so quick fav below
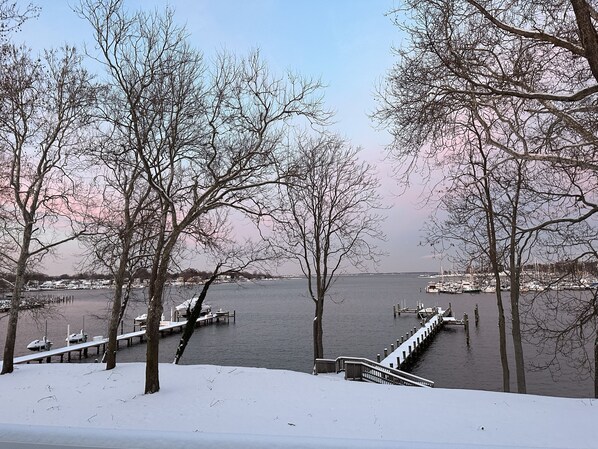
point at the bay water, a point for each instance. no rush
(273, 329)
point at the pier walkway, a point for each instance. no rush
(99, 343)
(413, 342)
(410, 345)
(389, 370)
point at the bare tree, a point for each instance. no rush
(540, 52)
(470, 212)
(326, 218)
(207, 138)
(526, 70)
(12, 17)
(44, 110)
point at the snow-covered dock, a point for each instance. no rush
(416, 340)
(413, 342)
(99, 343)
(389, 369)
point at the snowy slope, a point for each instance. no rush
(257, 404)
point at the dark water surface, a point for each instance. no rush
(274, 325)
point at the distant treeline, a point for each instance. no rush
(142, 274)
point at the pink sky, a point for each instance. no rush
(349, 47)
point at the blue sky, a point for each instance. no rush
(347, 44)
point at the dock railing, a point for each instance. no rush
(357, 368)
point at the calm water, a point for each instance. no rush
(273, 330)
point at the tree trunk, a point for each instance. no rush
(116, 314)
(164, 247)
(516, 331)
(318, 330)
(15, 303)
(502, 337)
(192, 318)
(493, 256)
(514, 279)
(587, 34)
(154, 316)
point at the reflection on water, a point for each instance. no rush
(273, 329)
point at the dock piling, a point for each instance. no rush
(476, 315)
(466, 321)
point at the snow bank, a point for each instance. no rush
(259, 405)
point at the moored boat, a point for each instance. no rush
(141, 320)
(470, 287)
(78, 337)
(433, 287)
(40, 345)
(452, 288)
(186, 306)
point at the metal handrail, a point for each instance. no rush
(382, 373)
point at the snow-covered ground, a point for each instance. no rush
(256, 405)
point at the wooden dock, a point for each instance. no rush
(389, 370)
(414, 342)
(99, 343)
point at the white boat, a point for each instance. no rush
(40, 345)
(433, 287)
(426, 312)
(186, 306)
(142, 319)
(220, 312)
(451, 288)
(470, 287)
(79, 337)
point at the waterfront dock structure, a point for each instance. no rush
(35, 302)
(416, 340)
(99, 343)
